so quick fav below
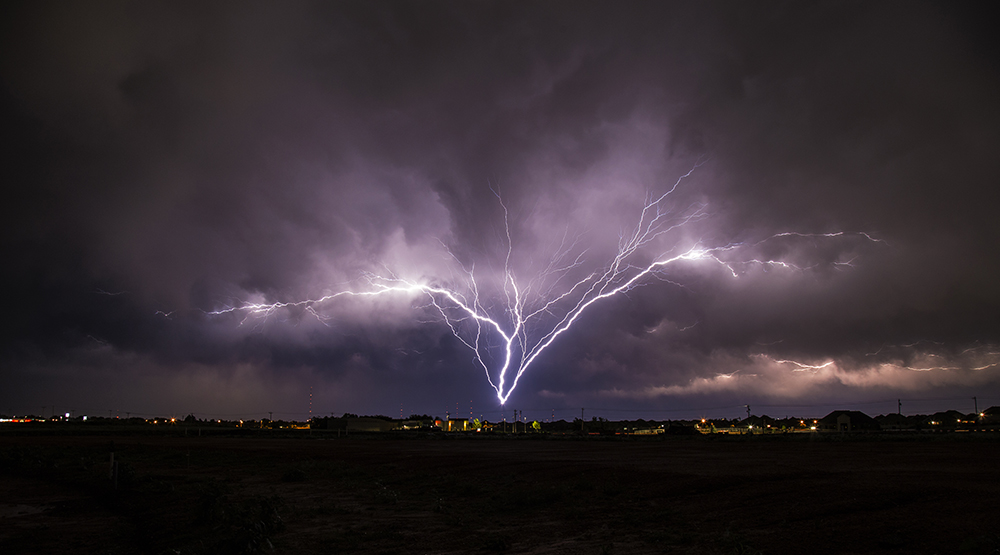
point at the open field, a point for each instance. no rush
(442, 493)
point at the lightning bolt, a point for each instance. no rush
(803, 367)
(508, 332)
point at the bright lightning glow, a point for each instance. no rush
(508, 334)
(802, 367)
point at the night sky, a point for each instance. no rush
(162, 161)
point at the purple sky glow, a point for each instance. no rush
(170, 165)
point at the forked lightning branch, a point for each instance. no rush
(510, 328)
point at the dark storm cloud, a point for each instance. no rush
(189, 158)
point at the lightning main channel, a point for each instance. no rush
(533, 313)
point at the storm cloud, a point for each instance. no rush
(166, 160)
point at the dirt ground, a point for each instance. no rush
(471, 494)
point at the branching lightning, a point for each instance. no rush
(803, 367)
(508, 331)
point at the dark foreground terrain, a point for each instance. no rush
(455, 494)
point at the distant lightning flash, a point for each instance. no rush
(803, 367)
(531, 314)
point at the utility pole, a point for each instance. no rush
(748, 412)
(269, 415)
(976, 401)
(899, 407)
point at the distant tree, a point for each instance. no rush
(190, 419)
(324, 423)
(349, 415)
(420, 417)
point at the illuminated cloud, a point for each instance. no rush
(171, 161)
(765, 377)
